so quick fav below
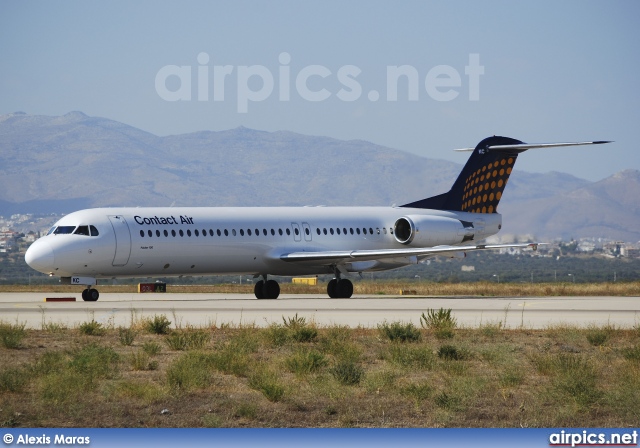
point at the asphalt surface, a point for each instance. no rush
(120, 309)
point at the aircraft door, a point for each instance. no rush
(123, 240)
(306, 230)
(296, 231)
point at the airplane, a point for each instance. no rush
(159, 242)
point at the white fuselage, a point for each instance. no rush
(165, 242)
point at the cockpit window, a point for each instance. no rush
(64, 229)
(94, 231)
(51, 230)
(82, 230)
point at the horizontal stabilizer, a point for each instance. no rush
(524, 146)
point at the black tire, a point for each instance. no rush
(85, 295)
(92, 295)
(272, 289)
(344, 288)
(332, 288)
(258, 290)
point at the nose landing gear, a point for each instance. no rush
(90, 295)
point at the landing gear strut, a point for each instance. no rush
(90, 295)
(266, 289)
(339, 288)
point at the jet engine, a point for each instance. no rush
(426, 231)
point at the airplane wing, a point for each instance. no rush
(338, 257)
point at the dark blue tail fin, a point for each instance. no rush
(479, 186)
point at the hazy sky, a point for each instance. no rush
(541, 71)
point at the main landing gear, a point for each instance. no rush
(90, 295)
(266, 289)
(340, 288)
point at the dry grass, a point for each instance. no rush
(389, 287)
(267, 377)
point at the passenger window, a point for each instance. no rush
(94, 231)
(166, 233)
(306, 230)
(358, 230)
(391, 230)
(196, 232)
(150, 234)
(233, 232)
(351, 230)
(210, 232)
(273, 232)
(324, 230)
(288, 231)
(331, 230)
(344, 230)
(364, 231)
(378, 230)
(264, 232)
(173, 233)
(181, 232)
(241, 232)
(296, 231)
(188, 232)
(157, 233)
(142, 233)
(318, 231)
(280, 232)
(370, 231)
(338, 230)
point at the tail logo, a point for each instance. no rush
(483, 188)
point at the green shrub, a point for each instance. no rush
(267, 383)
(231, 361)
(306, 361)
(188, 339)
(450, 353)
(13, 380)
(277, 335)
(141, 361)
(159, 324)
(397, 331)
(438, 320)
(126, 336)
(598, 336)
(294, 322)
(151, 348)
(95, 361)
(410, 357)
(348, 373)
(632, 354)
(12, 334)
(49, 362)
(190, 371)
(304, 334)
(92, 328)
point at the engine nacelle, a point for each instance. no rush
(426, 231)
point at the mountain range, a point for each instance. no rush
(57, 164)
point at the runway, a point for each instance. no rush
(120, 309)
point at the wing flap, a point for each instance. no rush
(338, 257)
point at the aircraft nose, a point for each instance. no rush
(40, 257)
